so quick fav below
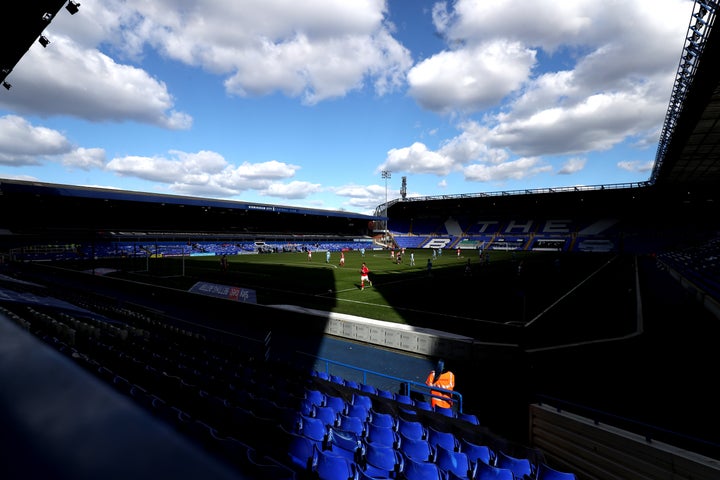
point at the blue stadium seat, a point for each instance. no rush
(381, 434)
(268, 468)
(326, 465)
(403, 399)
(343, 443)
(358, 410)
(306, 406)
(381, 419)
(519, 466)
(360, 399)
(380, 460)
(313, 428)
(315, 396)
(335, 402)
(328, 415)
(363, 475)
(476, 452)
(416, 470)
(445, 411)
(417, 449)
(364, 387)
(352, 384)
(321, 374)
(446, 439)
(351, 424)
(468, 417)
(299, 450)
(411, 428)
(545, 472)
(483, 471)
(422, 405)
(456, 462)
(385, 394)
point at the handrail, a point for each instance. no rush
(409, 385)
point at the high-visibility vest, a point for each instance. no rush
(446, 380)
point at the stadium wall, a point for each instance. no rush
(594, 450)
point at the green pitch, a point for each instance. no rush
(458, 293)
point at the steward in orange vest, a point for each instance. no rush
(441, 378)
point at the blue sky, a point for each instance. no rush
(305, 103)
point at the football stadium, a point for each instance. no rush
(164, 336)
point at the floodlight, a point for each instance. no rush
(72, 7)
(7, 85)
(43, 40)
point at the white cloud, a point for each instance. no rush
(515, 170)
(636, 166)
(291, 190)
(205, 172)
(22, 143)
(572, 165)
(84, 158)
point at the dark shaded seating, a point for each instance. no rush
(417, 449)
(380, 460)
(452, 461)
(545, 472)
(483, 471)
(417, 470)
(520, 467)
(329, 466)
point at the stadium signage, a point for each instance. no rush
(228, 292)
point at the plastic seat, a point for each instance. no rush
(337, 379)
(411, 428)
(315, 396)
(363, 475)
(446, 439)
(483, 471)
(306, 407)
(326, 465)
(311, 427)
(416, 470)
(321, 374)
(328, 415)
(364, 387)
(519, 466)
(382, 435)
(299, 450)
(268, 468)
(351, 424)
(403, 399)
(385, 394)
(445, 411)
(422, 405)
(545, 472)
(417, 449)
(336, 403)
(343, 443)
(358, 410)
(468, 417)
(476, 452)
(380, 460)
(363, 400)
(456, 462)
(381, 419)
(352, 384)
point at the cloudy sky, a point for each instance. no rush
(307, 103)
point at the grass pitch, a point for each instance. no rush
(458, 293)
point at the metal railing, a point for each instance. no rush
(390, 383)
